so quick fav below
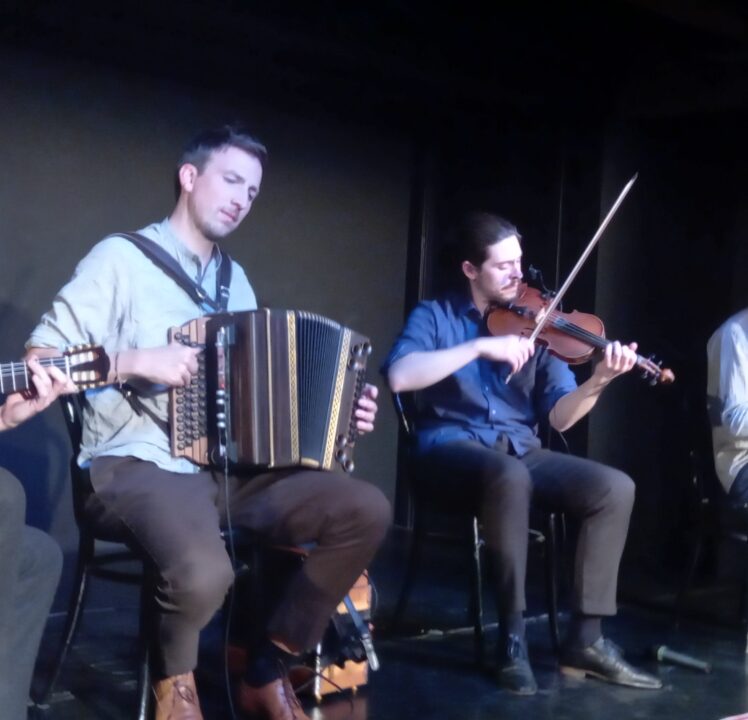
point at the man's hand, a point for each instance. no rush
(49, 383)
(366, 409)
(512, 349)
(617, 360)
(173, 364)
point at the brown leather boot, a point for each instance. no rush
(274, 701)
(176, 698)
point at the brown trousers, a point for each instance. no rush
(176, 518)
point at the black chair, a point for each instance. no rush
(716, 519)
(549, 540)
(102, 556)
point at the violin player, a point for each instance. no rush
(480, 401)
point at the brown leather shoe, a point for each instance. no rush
(274, 701)
(176, 698)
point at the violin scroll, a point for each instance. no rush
(653, 371)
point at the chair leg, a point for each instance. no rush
(744, 608)
(551, 580)
(73, 617)
(414, 551)
(680, 600)
(146, 633)
(476, 600)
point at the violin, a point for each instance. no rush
(574, 337)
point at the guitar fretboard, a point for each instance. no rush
(16, 376)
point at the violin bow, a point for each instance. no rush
(582, 259)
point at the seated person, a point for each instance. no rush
(120, 299)
(30, 561)
(481, 401)
(727, 404)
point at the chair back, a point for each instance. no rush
(405, 409)
(72, 410)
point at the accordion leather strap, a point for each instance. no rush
(159, 257)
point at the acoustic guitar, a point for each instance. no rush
(86, 365)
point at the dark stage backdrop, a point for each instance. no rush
(89, 150)
(671, 269)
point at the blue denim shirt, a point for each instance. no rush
(476, 402)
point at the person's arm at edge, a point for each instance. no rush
(49, 383)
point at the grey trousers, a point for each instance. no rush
(176, 519)
(498, 487)
(30, 566)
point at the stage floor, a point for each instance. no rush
(424, 675)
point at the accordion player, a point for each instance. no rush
(275, 388)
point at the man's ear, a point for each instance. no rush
(469, 270)
(187, 175)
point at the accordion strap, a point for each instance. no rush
(156, 254)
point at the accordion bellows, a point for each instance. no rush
(275, 388)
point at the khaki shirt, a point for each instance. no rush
(727, 396)
(119, 299)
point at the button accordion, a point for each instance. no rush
(275, 388)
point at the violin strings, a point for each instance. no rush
(581, 334)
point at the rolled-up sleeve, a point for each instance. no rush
(553, 380)
(89, 308)
(418, 335)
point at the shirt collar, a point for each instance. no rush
(464, 306)
(184, 254)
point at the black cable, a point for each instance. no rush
(232, 554)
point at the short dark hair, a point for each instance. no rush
(204, 144)
(476, 232)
